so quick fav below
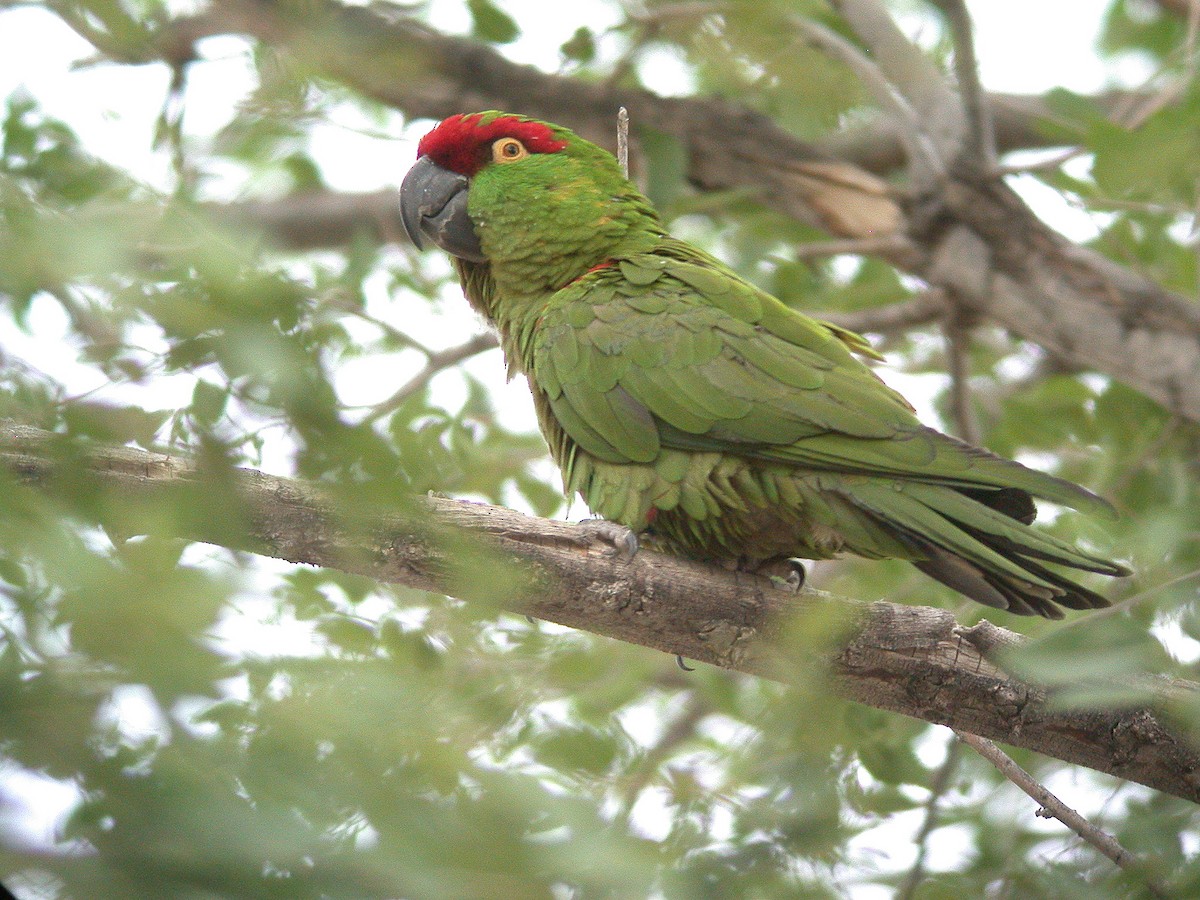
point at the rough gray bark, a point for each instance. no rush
(912, 660)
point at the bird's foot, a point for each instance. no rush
(791, 583)
(786, 574)
(622, 542)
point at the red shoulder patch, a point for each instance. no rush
(463, 143)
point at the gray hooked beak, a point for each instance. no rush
(433, 203)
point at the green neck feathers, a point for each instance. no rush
(575, 210)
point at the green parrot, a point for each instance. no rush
(681, 401)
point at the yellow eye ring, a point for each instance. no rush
(508, 150)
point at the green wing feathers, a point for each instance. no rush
(669, 351)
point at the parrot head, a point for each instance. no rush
(534, 201)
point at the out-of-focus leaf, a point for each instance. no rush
(581, 46)
(492, 23)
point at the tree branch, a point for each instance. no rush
(912, 660)
(1052, 806)
(924, 162)
(937, 790)
(920, 310)
(980, 136)
(436, 363)
(957, 333)
(910, 71)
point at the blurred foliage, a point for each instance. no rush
(236, 727)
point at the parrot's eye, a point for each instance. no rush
(508, 150)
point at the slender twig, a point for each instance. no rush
(909, 70)
(1128, 602)
(648, 767)
(937, 790)
(171, 125)
(1050, 164)
(1053, 807)
(922, 154)
(400, 338)
(920, 310)
(853, 247)
(958, 350)
(436, 363)
(623, 140)
(980, 137)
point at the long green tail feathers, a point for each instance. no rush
(987, 553)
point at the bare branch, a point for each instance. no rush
(854, 247)
(920, 310)
(937, 790)
(958, 349)
(436, 363)
(912, 660)
(910, 71)
(924, 161)
(980, 139)
(1053, 807)
(623, 140)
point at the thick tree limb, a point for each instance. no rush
(911, 660)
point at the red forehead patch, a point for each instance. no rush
(463, 143)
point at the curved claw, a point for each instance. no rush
(623, 541)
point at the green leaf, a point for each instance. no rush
(1132, 25)
(578, 749)
(208, 402)
(581, 46)
(492, 23)
(113, 422)
(352, 635)
(1092, 665)
(1158, 160)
